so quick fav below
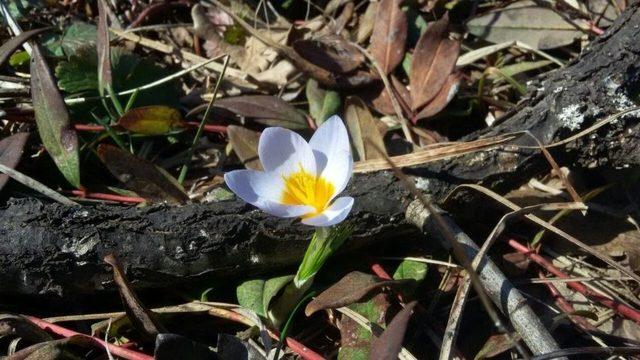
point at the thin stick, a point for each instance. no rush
(455, 314)
(71, 101)
(36, 185)
(445, 229)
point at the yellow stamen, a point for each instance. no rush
(303, 188)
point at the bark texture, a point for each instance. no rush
(51, 248)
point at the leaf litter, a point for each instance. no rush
(443, 68)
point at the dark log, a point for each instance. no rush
(54, 248)
(51, 248)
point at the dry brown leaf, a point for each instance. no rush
(245, 144)
(352, 288)
(365, 24)
(382, 102)
(442, 98)
(11, 149)
(434, 58)
(363, 129)
(389, 344)
(389, 35)
(331, 52)
(141, 176)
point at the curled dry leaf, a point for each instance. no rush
(388, 345)
(442, 98)
(434, 58)
(363, 129)
(151, 120)
(331, 52)
(389, 35)
(141, 176)
(245, 144)
(140, 317)
(266, 109)
(11, 149)
(52, 119)
(352, 288)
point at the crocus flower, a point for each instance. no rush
(300, 179)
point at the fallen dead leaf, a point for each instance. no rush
(434, 58)
(245, 144)
(352, 288)
(389, 35)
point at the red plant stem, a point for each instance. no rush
(110, 197)
(618, 307)
(298, 348)
(566, 307)
(88, 127)
(210, 128)
(113, 349)
(207, 127)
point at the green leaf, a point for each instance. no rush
(249, 295)
(52, 119)
(19, 58)
(324, 243)
(76, 36)
(80, 74)
(272, 287)
(409, 269)
(15, 42)
(322, 103)
(257, 295)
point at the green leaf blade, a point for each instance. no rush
(52, 119)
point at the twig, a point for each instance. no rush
(35, 185)
(455, 315)
(429, 155)
(593, 350)
(620, 308)
(423, 209)
(494, 282)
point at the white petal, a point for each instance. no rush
(334, 214)
(263, 190)
(331, 148)
(283, 151)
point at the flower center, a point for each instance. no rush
(302, 188)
